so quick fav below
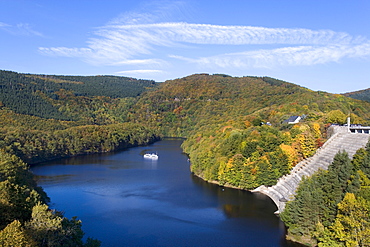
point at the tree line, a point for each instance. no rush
(34, 146)
(361, 95)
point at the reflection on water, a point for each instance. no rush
(126, 200)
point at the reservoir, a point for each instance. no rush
(124, 199)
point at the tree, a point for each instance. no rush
(50, 228)
(352, 223)
(336, 183)
(14, 235)
(315, 207)
(360, 159)
(291, 155)
(325, 237)
(302, 214)
(337, 117)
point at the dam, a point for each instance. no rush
(348, 138)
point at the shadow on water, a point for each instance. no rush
(245, 204)
(239, 203)
(80, 160)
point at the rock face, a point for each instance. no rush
(284, 189)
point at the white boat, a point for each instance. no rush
(152, 156)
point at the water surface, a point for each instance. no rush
(126, 200)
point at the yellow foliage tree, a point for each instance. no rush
(356, 119)
(352, 224)
(291, 154)
(337, 117)
(14, 235)
(316, 130)
(307, 144)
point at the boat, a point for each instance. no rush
(152, 156)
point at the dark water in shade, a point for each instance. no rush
(125, 200)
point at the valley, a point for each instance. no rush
(235, 131)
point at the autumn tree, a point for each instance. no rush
(352, 223)
(15, 235)
(337, 117)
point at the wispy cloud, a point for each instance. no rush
(134, 39)
(2, 25)
(287, 56)
(168, 33)
(140, 71)
(152, 12)
(66, 52)
(20, 29)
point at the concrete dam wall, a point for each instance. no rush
(342, 140)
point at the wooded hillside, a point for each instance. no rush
(361, 95)
(235, 128)
(34, 94)
(48, 117)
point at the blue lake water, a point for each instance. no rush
(126, 200)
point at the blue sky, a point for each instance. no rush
(321, 45)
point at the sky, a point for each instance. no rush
(320, 45)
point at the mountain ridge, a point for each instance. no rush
(360, 94)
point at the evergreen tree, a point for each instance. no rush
(336, 184)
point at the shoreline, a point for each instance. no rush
(289, 238)
(117, 149)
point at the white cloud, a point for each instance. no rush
(168, 33)
(133, 40)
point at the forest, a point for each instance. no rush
(32, 94)
(235, 131)
(361, 95)
(332, 208)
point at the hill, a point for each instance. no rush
(224, 118)
(34, 94)
(48, 117)
(181, 105)
(177, 106)
(361, 95)
(234, 126)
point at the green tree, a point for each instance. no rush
(336, 184)
(315, 206)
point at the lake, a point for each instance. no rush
(126, 200)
